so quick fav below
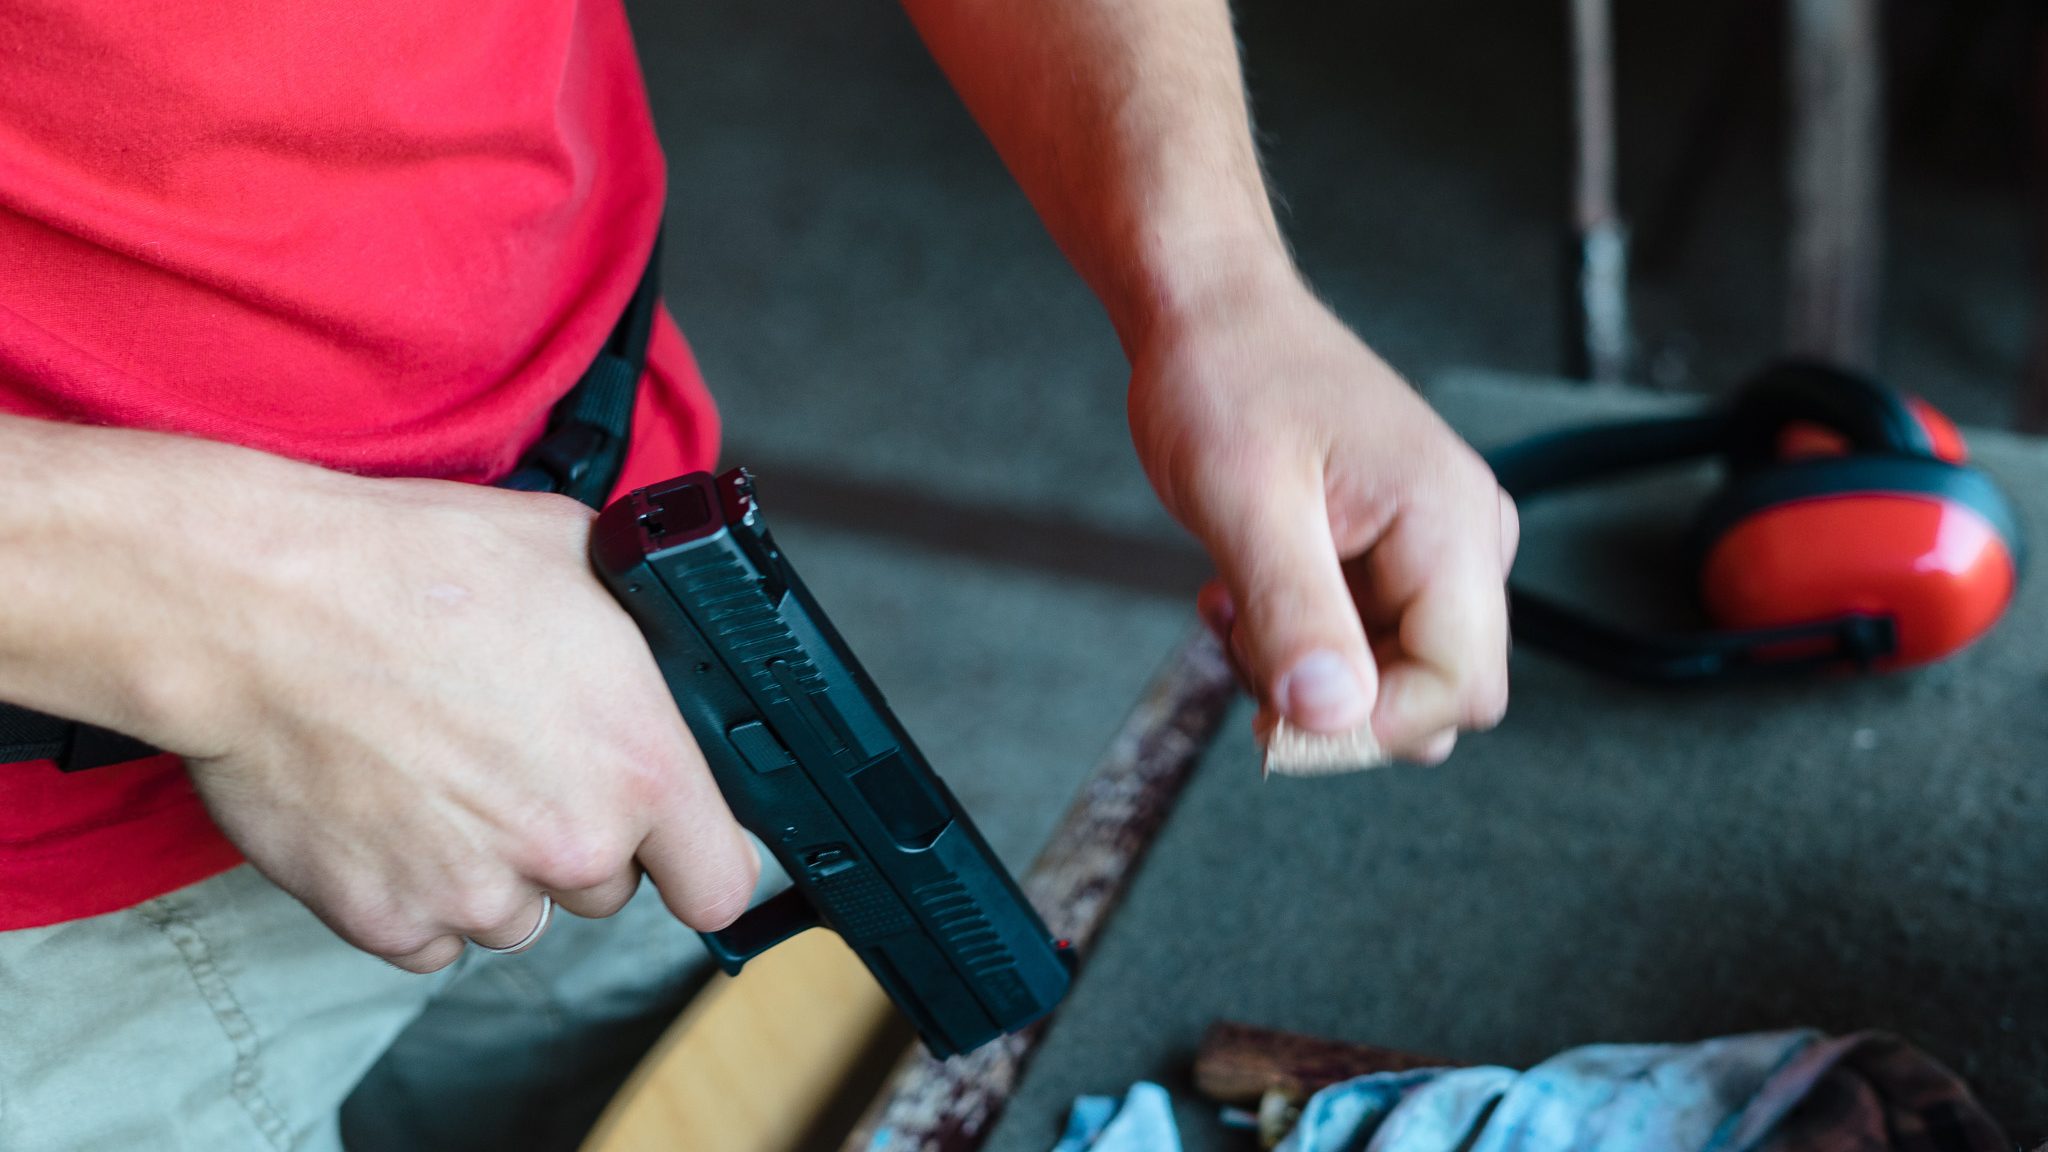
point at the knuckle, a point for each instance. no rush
(428, 958)
(473, 907)
(647, 780)
(1471, 464)
(576, 858)
(374, 925)
(393, 941)
(1489, 706)
(607, 901)
(572, 843)
(1475, 485)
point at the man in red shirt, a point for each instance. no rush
(280, 288)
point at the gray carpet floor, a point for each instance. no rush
(1612, 864)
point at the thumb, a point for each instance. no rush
(1294, 624)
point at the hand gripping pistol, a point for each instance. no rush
(813, 762)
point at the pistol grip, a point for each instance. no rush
(761, 928)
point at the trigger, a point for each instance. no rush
(762, 928)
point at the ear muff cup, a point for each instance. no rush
(1931, 545)
(1869, 417)
(1847, 533)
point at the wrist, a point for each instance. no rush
(1202, 287)
(241, 555)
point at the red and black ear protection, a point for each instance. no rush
(1850, 531)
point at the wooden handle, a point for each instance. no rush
(1240, 1064)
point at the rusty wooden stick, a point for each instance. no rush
(950, 1106)
(1240, 1063)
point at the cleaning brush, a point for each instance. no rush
(1293, 752)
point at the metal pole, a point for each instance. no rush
(1598, 344)
(1835, 180)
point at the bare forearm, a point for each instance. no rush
(109, 571)
(1125, 122)
(375, 683)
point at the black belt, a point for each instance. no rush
(580, 454)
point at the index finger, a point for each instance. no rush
(696, 853)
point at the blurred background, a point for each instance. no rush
(934, 406)
(934, 401)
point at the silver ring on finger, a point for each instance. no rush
(540, 927)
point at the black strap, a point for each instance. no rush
(1853, 641)
(584, 447)
(1605, 451)
(580, 454)
(1875, 419)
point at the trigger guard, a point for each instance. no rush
(761, 928)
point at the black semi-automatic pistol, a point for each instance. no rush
(813, 762)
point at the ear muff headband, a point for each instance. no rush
(1855, 639)
(1871, 417)
(1561, 459)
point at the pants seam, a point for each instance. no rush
(170, 918)
(544, 997)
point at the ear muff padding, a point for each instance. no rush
(1870, 416)
(1932, 546)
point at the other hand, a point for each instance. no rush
(1363, 546)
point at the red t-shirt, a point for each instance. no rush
(379, 235)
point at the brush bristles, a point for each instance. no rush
(1291, 752)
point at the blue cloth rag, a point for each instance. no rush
(1603, 1098)
(1141, 1122)
(1765, 1092)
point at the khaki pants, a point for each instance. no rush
(224, 1017)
